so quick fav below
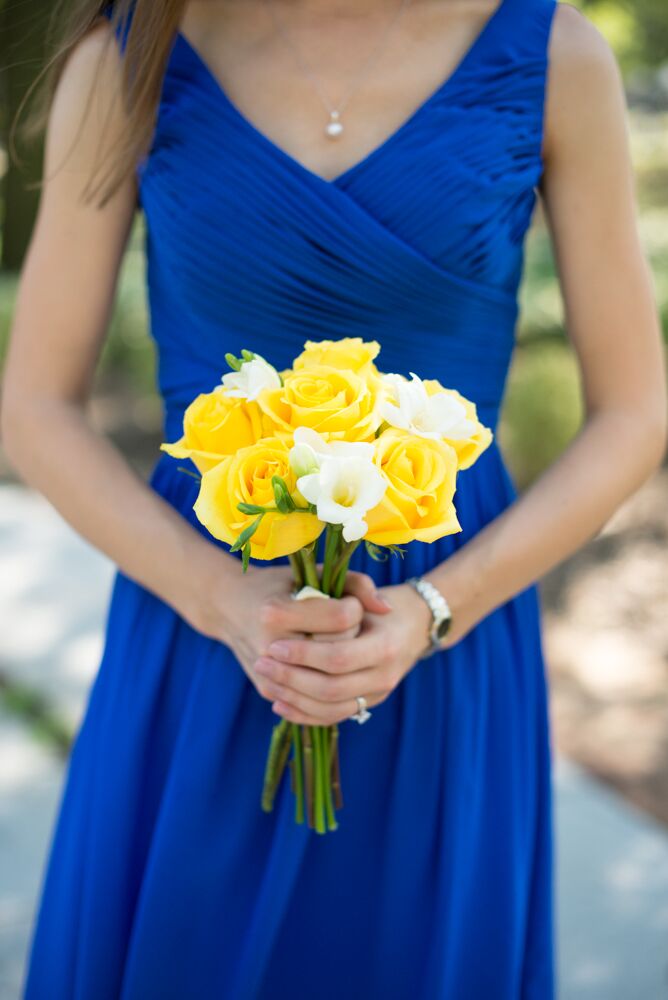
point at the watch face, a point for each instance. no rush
(442, 628)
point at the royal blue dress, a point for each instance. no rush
(165, 880)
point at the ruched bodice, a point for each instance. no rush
(419, 243)
(166, 881)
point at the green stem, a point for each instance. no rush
(319, 790)
(310, 570)
(297, 568)
(308, 773)
(341, 569)
(332, 541)
(298, 772)
(327, 771)
(276, 761)
(336, 768)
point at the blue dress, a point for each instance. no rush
(164, 879)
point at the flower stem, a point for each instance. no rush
(298, 772)
(336, 768)
(327, 772)
(314, 766)
(297, 568)
(319, 775)
(310, 571)
(332, 542)
(341, 568)
(276, 761)
(308, 772)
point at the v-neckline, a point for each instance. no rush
(376, 151)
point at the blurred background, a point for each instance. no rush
(605, 609)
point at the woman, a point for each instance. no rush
(321, 169)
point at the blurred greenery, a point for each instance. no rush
(637, 29)
(543, 406)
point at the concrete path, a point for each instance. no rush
(612, 861)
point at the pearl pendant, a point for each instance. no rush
(334, 127)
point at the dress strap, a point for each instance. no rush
(524, 40)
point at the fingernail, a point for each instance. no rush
(262, 667)
(280, 649)
(383, 600)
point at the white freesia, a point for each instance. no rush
(303, 459)
(307, 591)
(310, 448)
(251, 379)
(343, 489)
(412, 409)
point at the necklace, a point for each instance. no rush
(334, 127)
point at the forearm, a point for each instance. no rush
(564, 508)
(55, 450)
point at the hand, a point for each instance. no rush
(314, 683)
(247, 611)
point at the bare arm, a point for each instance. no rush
(62, 312)
(612, 322)
(65, 296)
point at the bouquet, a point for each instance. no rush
(331, 446)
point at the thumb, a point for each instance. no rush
(361, 586)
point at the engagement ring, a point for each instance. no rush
(361, 715)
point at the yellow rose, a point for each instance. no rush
(418, 503)
(245, 477)
(216, 424)
(338, 403)
(351, 353)
(468, 449)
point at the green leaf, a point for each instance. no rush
(245, 556)
(397, 550)
(246, 534)
(247, 355)
(376, 552)
(188, 472)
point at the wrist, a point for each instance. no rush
(207, 583)
(421, 618)
(463, 593)
(439, 611)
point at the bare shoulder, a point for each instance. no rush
(578, 48)
(86, 113)
(583, 77)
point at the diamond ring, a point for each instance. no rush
(361, 715)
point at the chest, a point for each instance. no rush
(329, 87)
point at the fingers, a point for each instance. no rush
(323, 687)
(337, 713)
(361, 586)
(348, 633)
(280, 613)
(367, 649)
(311, 710)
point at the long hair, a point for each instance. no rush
(150, 35)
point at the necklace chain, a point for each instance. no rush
(334, 127)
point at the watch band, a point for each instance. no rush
(440, 611)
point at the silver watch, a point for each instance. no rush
(440, 612)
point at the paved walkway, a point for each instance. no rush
(612, 861)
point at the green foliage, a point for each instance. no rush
(542, 410)
(637, 30)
